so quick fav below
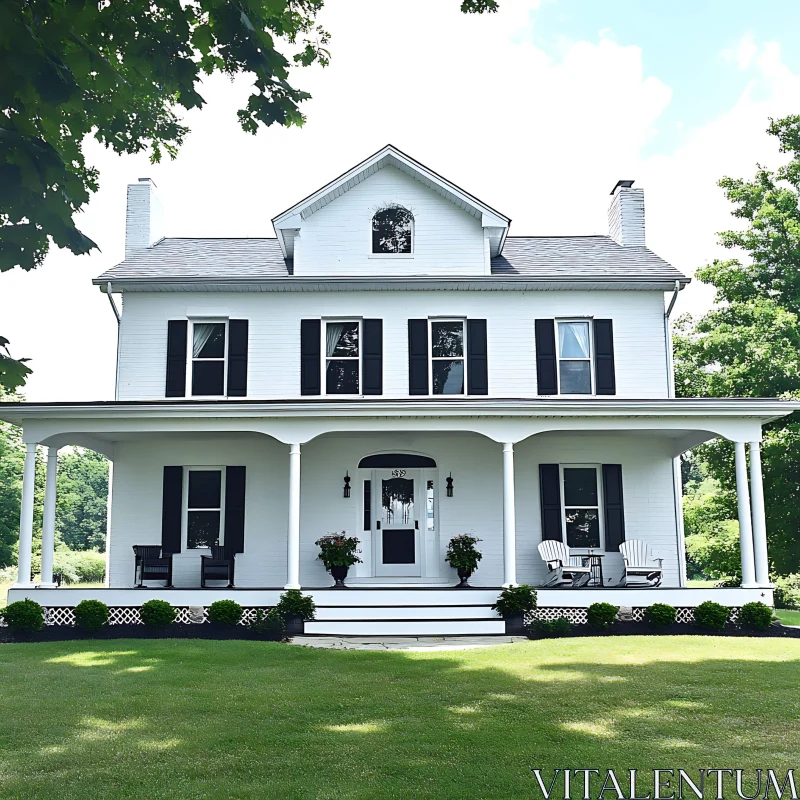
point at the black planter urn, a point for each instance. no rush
(464, 573)
(515, 624)
(339, 573)
(294, 625)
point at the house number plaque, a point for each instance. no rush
(398, 473)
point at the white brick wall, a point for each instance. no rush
(626, 217)
(476, 507)
(274, 358)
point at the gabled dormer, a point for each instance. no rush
(390, 216)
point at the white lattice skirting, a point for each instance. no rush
(579, 616)
(129, 615)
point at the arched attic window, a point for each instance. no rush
(392, 230)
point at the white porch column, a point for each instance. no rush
(26, 518)
(293, 545)
(759, 518)
(49, 520)
(745, 526)
(509, 518)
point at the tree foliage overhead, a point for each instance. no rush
(748, 345)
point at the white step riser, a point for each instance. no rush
(399, 612)
(403, 597)
(406, 628)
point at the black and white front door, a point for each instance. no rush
(397, 505)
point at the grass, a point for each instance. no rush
(788, 617)
(211, 719)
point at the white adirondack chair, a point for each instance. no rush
(640, 565)
(564, 569)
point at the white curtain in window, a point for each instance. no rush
(333, 332)
(573, 339)
(202, 333)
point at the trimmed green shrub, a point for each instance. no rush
(549, 629)
(268, 624)
(660, 614)
(24, 616)
(516, 600)
(755, 615)
(91, 615)
(711, 615)
(293, 601)
(787, 591)
(602, 615)
(158, 613)
(225, 612)
(75, 566)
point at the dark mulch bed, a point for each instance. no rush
(65, 633)
(678, 629)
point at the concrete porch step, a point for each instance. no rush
(429, 612)
(406, 627)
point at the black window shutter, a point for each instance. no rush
(172, 510)
(418, 356)
(177, 331)
(310, 355)
(546, 378)
(550, 499)
(372, 357)
(477, 357)
(235, 479)
(237, 357)
(614, 511)
(605, 379)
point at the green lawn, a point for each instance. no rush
(788, 617)
(206, 719)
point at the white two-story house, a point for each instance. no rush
(395, 364)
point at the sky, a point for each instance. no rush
(537, 110)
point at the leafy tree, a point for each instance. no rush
(120, 71)
(82, 494)
(749, 343)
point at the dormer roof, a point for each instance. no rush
(290, 221)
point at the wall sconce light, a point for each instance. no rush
(347, 484)
(449, 480)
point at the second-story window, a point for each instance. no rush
(342, 357)
(392, 230)
(574, 357)
(208, 358)
(447, 357)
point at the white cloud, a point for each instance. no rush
(543, 139)
(743, 53)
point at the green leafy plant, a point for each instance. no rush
(268, 623)
(787, 591)
(602, 615)
(24, 616)
(549, 629)
(462, 553)
(293, 601)
(91, 615)
(225, 612)
(711, 615)
(158, 613)
(338, 550)
(661, 614)
(755, 615)
(516, 600)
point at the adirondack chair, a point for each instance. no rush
(151, 565)
(640, 565)
(564, 569)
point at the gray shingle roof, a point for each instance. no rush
(566, 257)
(555, 258)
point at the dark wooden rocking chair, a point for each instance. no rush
(218, 566)
(151, 565)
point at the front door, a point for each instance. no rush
(396, 508)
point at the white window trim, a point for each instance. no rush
(324, 359)
(185, 505)
(598, 468)
(191, 359)
(432, 358)
(371, 254)
(559, 359)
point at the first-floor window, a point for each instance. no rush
(581, 506)
(342, 357)
(447, 356)
(204, 498)
(208, 358)
(574, 357)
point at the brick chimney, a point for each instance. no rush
(626, 215)
(143, 218)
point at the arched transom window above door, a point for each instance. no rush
(392, 231)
